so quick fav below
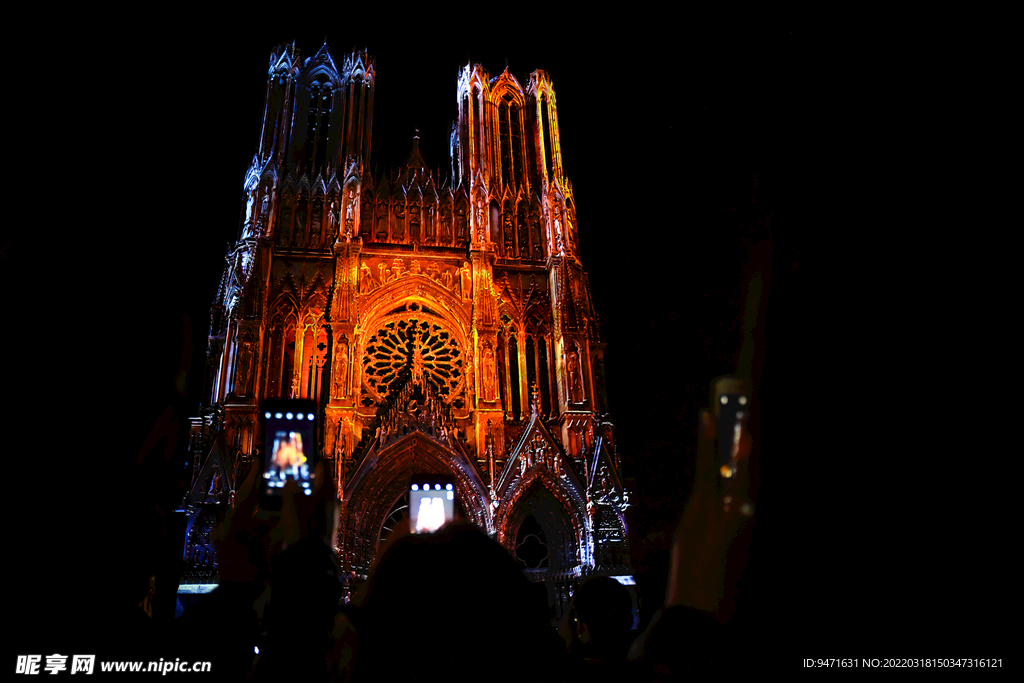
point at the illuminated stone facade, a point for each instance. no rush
(442, 320)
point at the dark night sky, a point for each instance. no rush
(686, 144)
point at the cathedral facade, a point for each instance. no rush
(440, 318)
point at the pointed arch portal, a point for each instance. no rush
(382, 479)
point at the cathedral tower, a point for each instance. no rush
(442, 324)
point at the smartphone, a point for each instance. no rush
(431, 502)
(289, 448)
(730, 401)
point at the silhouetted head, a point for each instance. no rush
(605, 606)
(444, 603)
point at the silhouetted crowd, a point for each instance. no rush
(436, 606)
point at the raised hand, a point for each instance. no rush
(715, 515)
(235, 539)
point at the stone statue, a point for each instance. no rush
(341, 371)
(248, 207)
(429, 229)
(332, 219)
(509, 237)
(488, 361)
(367, 218)
(346, 436)
(467, 281)
(398, 232)
(481, 230)
(215, 483)
(244, 367)
(446, 224)
(538, 252)
(414, 222)
(460, 224)
(575, 377)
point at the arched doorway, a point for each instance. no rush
(546, 540)
(377, 494)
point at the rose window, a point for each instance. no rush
(420, 344)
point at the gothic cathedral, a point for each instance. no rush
(441, 319)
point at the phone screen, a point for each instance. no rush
(431, 503)
(290, 446)
(732, 409)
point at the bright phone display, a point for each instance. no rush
(289, 446)
(431, 503)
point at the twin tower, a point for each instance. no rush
(441, 319)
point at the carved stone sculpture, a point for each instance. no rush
(248, 207)
(481, 229)
(575, 377)
(488, 369)
(538, 252)
(466, 274)
(397, 232)
(244, 368)
(341, 371)
(414, 223)
(332, 220)
(460, 224)
(509, 236)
